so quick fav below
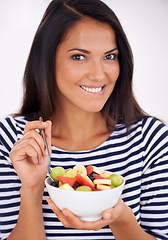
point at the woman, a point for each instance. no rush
(79, 78)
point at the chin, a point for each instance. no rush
(95, 109)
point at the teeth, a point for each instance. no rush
(91, 90)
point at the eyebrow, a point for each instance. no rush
(112, 50)
(88, 52)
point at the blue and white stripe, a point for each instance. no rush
(141, 157)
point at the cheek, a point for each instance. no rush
(67, 70)
(69, 78)
(62, 75)
(117, 72)
(114, 73)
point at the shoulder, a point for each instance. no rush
(145, 126)
(149, 126)
(155, 144)
(149, 132)
(13, 124)
(153, 130)
(11, 129)
(151, 123)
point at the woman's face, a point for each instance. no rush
(87, 66)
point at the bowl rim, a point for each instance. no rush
(84, 192)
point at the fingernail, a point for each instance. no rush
(42, 160)
(36, 160)
(107, 216)
(43, 123)
(64, 213)
(49, 204)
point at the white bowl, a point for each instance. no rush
(88, 206)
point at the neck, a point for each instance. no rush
(75, 129)
(80, 123)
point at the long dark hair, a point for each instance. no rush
(39, 77)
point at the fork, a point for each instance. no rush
(45, 142)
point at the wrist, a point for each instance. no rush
(126, 227)
(34, 193)
(30, 224)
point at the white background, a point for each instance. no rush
(145, 23)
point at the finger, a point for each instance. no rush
(76, 222)
(46, 126)
(33, 134)
(56, 210)
(35, 125)
(35, 151)
(29, 148)
(71, 221)
(62, 217)
(115, 212)
(22, 153)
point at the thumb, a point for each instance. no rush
(107, 215)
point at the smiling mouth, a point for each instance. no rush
(93, 89)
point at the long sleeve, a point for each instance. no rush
(9, 182)
(154, 187)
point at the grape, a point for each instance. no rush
(115, 180)
(84, 188)
(92, 177)
(76, 185)
(57, 171)
(59, 184)
(70, 174)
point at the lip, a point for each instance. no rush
(93, 89)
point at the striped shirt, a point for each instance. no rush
(141, 157)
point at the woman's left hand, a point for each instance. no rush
(69, 220)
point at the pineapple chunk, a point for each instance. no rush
(66, 186)
(105, 174)
(103, 187)
(98, 170)
(102, 181)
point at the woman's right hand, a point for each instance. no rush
(29, 156)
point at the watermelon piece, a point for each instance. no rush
(89, 169)
(97, 176)
(82, 181)
(96, 189)
(70, 181)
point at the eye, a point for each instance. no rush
(111, 56)
(78, 57)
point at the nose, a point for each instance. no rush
(96, 71)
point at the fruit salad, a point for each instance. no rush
(81, 178)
